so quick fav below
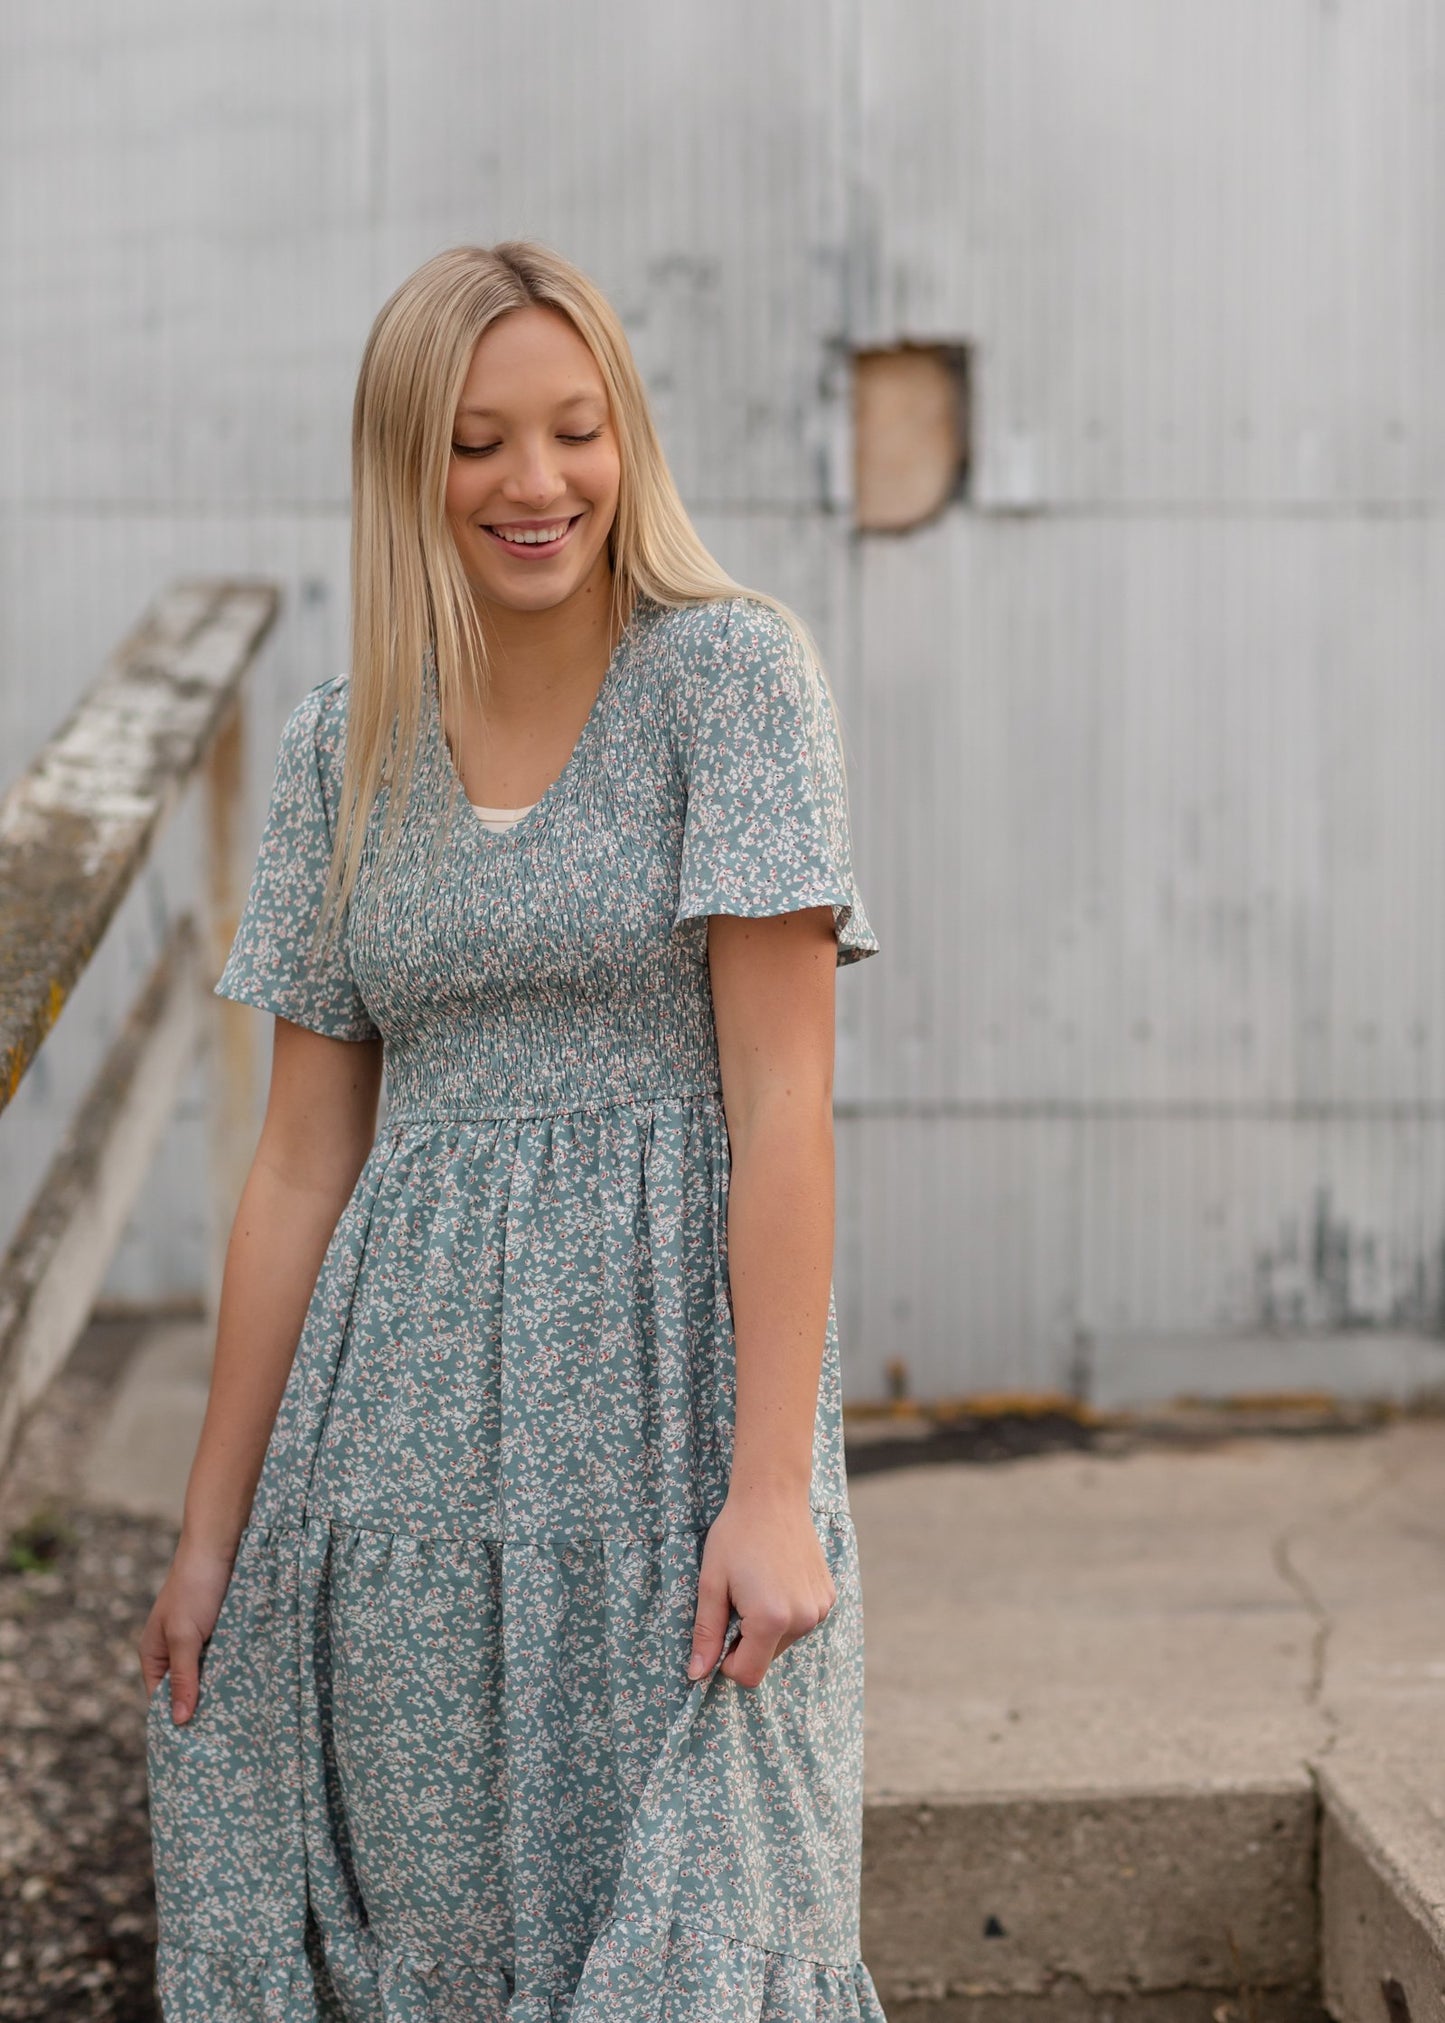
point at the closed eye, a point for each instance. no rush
(485, 449)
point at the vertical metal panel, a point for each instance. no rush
(967, 1271)
(1248, 1253)
(1152, 723)
(1198, 245)
(697, 182)
(1152, 807)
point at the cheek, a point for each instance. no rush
(462, 492)
(604, 479)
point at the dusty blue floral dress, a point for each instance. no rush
(446, 1762)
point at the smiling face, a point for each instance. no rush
(534, 472)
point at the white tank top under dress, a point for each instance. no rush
(497, 819)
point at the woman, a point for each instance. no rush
(511, 1657)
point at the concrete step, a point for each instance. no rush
(1158, 1734)
(1382, 1876)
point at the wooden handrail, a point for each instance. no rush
(77, 827)
(75, 832)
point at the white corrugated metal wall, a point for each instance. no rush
(1152, 1087)
(1142, 732)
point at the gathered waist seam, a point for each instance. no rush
(477, 1113)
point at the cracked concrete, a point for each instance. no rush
(1159, 1618)
(1319, 1646)
(1192, 1650)
(1390, 1468)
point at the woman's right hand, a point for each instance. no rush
(178, 1625)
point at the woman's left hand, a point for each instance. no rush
(763, 1556)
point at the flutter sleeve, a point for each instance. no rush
(766, 823)
(270, 964)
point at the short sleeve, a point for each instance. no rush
(766, 824)
(270, 964)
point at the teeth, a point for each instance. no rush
(534, 538)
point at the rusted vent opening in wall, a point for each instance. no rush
(910, 433)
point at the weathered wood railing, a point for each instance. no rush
(75, 832)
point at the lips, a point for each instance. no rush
(532, 528)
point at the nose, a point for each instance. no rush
(534, 479)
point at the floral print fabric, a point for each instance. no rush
(446, 1762)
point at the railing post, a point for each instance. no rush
(227, 1027)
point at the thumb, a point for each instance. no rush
(709, 1625)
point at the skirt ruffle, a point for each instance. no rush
(632, 1976)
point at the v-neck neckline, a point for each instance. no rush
(540, 808)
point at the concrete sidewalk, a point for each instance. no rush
(1156, 1735)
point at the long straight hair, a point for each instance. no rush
(410, 598)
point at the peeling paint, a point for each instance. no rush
(1325, 1272)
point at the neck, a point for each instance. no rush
(535, 654)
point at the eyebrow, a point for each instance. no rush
(493, 414)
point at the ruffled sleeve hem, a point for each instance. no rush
(272, 964)
(851, 928)
(766, 827)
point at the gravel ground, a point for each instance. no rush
(77, 1905)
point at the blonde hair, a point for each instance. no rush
(410, 597)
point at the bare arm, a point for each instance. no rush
(773, 985)
(319, 1126)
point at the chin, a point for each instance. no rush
(541, 597)
(545, 592)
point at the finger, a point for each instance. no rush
(802, 1627)
(755, 1650)
(153, 1667)
(185, 1676)
(709, 1624)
